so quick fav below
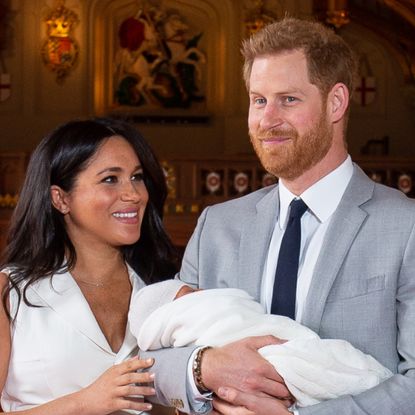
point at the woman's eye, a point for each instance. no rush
(110, 179)
(138, 177)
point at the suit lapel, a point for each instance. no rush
(255, 239)
(345, 225)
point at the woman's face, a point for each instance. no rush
(107, 203)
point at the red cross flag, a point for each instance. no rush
(5, 86)
(365, 92)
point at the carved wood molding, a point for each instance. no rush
(393, 22)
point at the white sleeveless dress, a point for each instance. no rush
(58, 348)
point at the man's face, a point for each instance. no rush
(287, 119)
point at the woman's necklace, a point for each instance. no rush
(93, 284)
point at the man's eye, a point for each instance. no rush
(260, 101)
(289, 100)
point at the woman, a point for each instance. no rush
(88, 214)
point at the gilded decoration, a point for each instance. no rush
(158, 62)
(257, 16)
(337, 13)
(60, 50)
(8, 200)
(170, 176)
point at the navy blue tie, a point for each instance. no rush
(285, 283)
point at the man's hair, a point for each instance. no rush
(329, 58)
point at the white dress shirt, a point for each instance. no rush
(322, 199)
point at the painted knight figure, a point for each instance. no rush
(158, 62)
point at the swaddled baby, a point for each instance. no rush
(313, 369)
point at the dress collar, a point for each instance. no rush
(63, 296)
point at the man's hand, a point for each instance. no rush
(235, 402)
(239, 365)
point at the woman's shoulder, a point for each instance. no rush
(5, 275)
(4, 278)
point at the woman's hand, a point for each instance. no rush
(120, 388)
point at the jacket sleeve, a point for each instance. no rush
(170, 368)
(189, 272)
(394, 396)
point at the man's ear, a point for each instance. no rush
(59, 199)
(338, 102)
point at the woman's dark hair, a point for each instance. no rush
(38, 245)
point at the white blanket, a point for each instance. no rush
(313, 369)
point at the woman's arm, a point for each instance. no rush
(111, 392)
(4, 336)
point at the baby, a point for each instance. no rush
(172, 314)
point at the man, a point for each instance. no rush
(356, 266)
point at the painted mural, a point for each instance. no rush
(158, 62)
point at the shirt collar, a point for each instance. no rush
(323, 197)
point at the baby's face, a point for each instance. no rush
(184, 290)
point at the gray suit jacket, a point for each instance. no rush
(363, 286)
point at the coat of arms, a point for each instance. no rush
(60, 50)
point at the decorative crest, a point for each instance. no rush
(60, 51)
(257, 17)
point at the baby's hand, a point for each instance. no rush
(185, 290)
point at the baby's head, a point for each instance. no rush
(153, 296)
(184, 290)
